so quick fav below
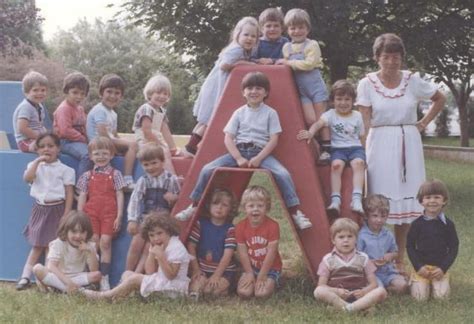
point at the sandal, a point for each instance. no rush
(23, 283)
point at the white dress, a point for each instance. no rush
(213, 86)
(395, 161)
(175, 253)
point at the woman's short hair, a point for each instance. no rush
(344, 224)
(388, 43)
(253, 193)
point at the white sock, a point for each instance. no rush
(52, 280)
(336, 198)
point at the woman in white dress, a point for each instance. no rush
(388, 101)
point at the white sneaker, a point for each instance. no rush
(301, 221)
(324, 158)
(104, 283)
(334, 207)
(356, 206)
(185, 214)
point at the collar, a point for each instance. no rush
(104, 169)
(279, 40)
(365, 228)
(52, 164)
(343, 257)
(255, 109)
(440, 217)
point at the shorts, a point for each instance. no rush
(272, 274)
(416, 277)
(103, 224)
(311, 87)
(385, 278)
(348, 153)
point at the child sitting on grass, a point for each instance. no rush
(212, 243)
(432, 243)
(257, 244)
(379, 244)
(72, 259)
(166, 266)
(346, 276)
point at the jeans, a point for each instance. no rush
(79, 151)
(280, 173)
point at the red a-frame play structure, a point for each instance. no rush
(311, 182)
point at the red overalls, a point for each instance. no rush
(101, 205)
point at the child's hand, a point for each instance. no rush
(379, 262)
(170, 197)
(71, 287)
(260, 282)
(265, 60)
(424, 272)
(117, 224)
(388, 257)
(255, 162)
(247, 280)
(343, 293)
(213, 281)
(197, 275)
(157, 250)
(242, 162)
(84, 247)
(41, 158)
(358, 293)
(132, 228)
(437, 273)
(281, 61)
(304, 135)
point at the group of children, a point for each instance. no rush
(350, 278)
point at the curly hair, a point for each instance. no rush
(217, 195)
(161, 219)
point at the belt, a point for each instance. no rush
(246, 146)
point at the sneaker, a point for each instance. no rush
(356, 206)
(185, 214)
(301, 221)
(334, 207)
(187, 154)
(104, 283)
(324, 158)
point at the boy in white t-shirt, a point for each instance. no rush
(346, 127)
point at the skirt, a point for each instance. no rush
(43, 224)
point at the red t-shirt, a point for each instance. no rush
(257, 238)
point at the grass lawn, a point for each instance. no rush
(293, 303)
(445, 141)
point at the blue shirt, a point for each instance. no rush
(377, 245)
(269, 49)
(100, 114)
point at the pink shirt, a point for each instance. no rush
(70, 122)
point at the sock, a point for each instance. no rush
(325, 146)
(293, 209)
(104, 268)
(348, 308)
(194, 140)
(357, 194)
(336, 198)
(51, 280)
(27, 271)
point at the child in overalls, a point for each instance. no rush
(102, 200)
(156, 190)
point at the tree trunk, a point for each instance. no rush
(463, 120)
(337, 71)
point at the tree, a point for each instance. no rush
(20, 29)
(100, 48)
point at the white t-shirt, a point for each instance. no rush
(346, 130)
(71, 260)
(50, 181)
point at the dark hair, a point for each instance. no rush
(271, 14)
(216, 196)
(71, 220)
(151, 151)
(111, 81)
(161, 219)
(76, 80)
(388, 43)
(53, 136)
(256, 79)
(341, 88)
(101, 143)
(432, 187)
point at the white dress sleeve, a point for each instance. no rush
(423, 89)
(232, 54)
(363, 93)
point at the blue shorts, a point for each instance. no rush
(384, 278)
(311, 87)
(273, 274)
(347, 153)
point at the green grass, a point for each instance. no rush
(445, 141)
(293, 303)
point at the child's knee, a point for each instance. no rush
(381, 293)
(358, 164)
(39, 271)
(95, 276)
(105, 243)
(245, 293)
(319, 292)
(337, 165)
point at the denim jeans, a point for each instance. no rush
(280, 173)
(79, 151)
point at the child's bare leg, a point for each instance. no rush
(31, 260)
(309, 114)
(337, 167)
(373, 297)
(327, 295)
(141, 263)
(441, 287)
(267, 290)
(401, 232)
(129, 149)
(358, 173)
(420, 289)
(134, 252)
(40, 271)
(131, 282)
(105, 255)
(319, 109)
(198, 283)
(398, 285)
(221, 290)
(246, 287)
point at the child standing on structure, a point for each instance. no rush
(52, 187)
(303, 55)
(347, 276)
(101, 198)
(70, 120)
(432, 243)
(157, 189)
(250, 137)
(29, 115)
(270, 45)
(244, 38)
(346, 127)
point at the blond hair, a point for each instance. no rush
(151, 151)
(31, 79)
(240, 26)
(101, 143)
(297, 17)
(157, 83)
(376, 202)
(253, 193)
(344, 224)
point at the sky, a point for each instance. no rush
(64, 14)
